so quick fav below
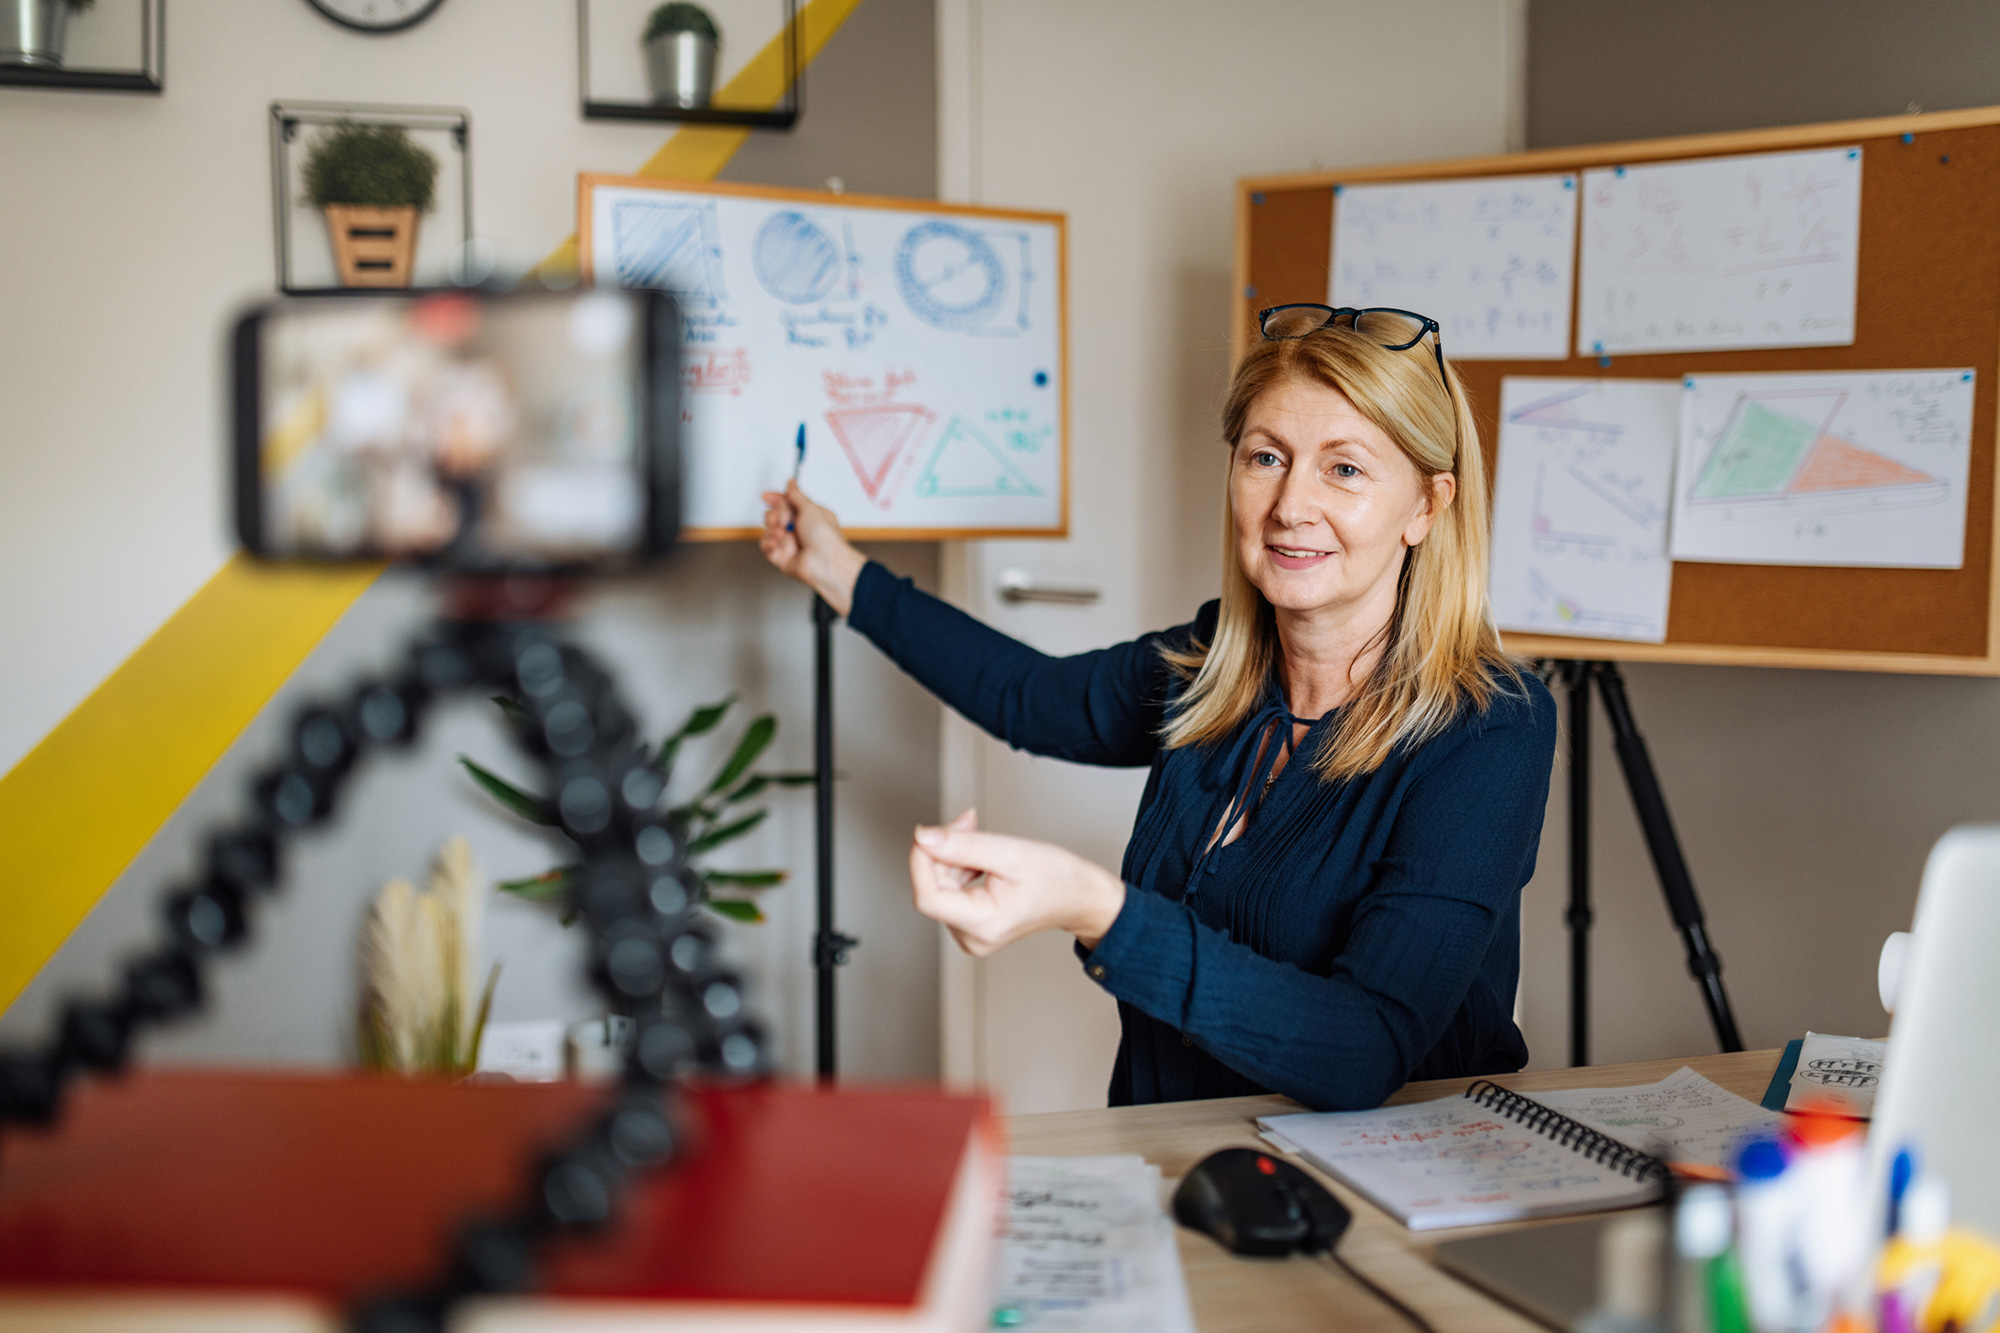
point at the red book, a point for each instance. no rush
(213, 1197)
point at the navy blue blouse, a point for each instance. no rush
(1359, 934)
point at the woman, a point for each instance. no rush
(1321, 895)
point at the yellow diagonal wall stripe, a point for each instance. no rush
(78, 808)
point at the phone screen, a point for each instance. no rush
(527, 430)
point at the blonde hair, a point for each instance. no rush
(1442, 651)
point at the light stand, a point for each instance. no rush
(829, 945)
(1662, 844)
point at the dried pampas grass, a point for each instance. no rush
(420, 970)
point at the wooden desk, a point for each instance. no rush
(1231, 1294)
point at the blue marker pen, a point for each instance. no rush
(798, 462)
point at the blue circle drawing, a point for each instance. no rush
(949, 276)
(795, 259)
(1041, 379)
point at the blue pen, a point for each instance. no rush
(798, 462)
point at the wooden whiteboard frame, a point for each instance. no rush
(589, 181)
(1578, 159)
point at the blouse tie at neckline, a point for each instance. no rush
(1250, 750)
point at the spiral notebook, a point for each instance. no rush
(1493, 1155)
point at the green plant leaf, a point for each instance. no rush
(479, 1021)
(701, 720)
(744, 879)
(531, 808)
(792, 779)
(751, 785)
(511, 707)
(729, 832)
(756, 737)
(551, 886)
(737, 910)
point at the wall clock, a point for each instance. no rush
(377, 16)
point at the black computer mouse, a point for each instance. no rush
(1256, 1204)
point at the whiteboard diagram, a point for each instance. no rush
(1717, 253)
(1492, 259)
(1581, 505)
(966, 279)
(921, 347)
(1859, 469)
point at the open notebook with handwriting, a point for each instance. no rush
(1492, 1155)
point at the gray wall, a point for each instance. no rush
(1806, 800)
(712, 621)
(1601, 71)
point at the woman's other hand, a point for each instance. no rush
(990, 890)
(804, 541)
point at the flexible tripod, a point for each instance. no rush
(1650, 804)
(649, 955)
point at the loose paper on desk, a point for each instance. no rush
(1492, 260)
(1085, 1245)
(1843, 1071)
(1850, 468)
(1580, 507)
(1720, 252)
(1683, 1117)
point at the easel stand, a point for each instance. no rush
(829, 945)
(1661, 842)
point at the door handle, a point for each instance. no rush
(1017, 585)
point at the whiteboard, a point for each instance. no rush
(1492, 259)
(1721, 253)
(923, 347)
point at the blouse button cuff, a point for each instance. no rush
(1097, 971)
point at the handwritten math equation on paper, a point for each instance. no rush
(1492, 260)
(1086, 1245)
(1720, 253)
(1580, 507)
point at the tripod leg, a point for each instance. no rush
(1577, 676)
(1651, 805)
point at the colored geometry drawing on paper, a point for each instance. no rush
(880, 441)
(795, 259)
(1861, 469)
(669, 244)
(1581, 506)
(1775, 451)
(965, 462)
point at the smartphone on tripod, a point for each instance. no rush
(462, 430)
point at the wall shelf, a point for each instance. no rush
(138, 34)
(616, 91)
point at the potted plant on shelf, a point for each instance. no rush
(717, 814)
(372, 182)
(32, 31)
(681, 41)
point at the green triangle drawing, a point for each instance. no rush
(965, 462)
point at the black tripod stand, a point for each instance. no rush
(1651, 806)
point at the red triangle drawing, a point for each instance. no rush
(1834, 464)
(874, 436)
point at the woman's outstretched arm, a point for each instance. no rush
(1102, 707)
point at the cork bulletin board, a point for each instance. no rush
(1928, 296)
